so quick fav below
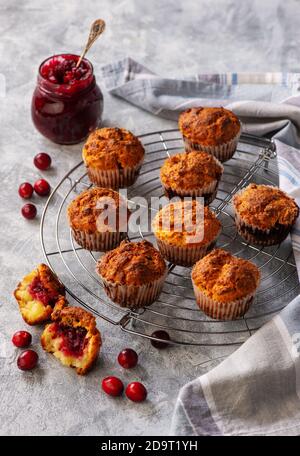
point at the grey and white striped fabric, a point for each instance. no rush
(256, 390)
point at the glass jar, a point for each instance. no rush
(67, 104)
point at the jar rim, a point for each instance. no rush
(54, 84)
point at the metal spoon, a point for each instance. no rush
(97, 28)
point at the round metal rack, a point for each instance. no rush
(176, 310)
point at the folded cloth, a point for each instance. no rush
(253, 97)
(256, 390)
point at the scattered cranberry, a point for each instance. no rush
(26, 190)
(42, 161)
(136, 392)
(41, 187)
(128, 358)
(160, 335)
(27, 360)
(21, 339)
(112, 386)
(29, 211)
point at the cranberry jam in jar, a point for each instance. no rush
(67, 103)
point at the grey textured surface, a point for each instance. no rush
(173, 38)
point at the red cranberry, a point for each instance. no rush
(128, 358)
(27, 360)
(25, 190)
(160, 335)
(112, 386)
(21, 339)
(41, 187)
(136, 392)
(29, 211)
(42, 161)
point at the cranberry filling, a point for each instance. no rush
(61, 69)
(38, 292)
(73, 339)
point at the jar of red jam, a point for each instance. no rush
(67, 103)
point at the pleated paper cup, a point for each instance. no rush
(257, 236)
(222, 152)
(133, 296)
(220, 310)
(98, 242)
(116, 178)
(208, 192)
(184, 255)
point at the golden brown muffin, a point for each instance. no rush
(113, 157)
(214, 130)
(133, 273)
(264, 214)
(224, 285)
(73, 338)
(191, 174)
(38, 293)
(185, 231)
(90, 228)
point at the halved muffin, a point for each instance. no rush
(224, 285)
(73, 338)
(38, 293)
(193, 174)
(185, 231)
(264, 215)
(215, 130)
(98, 219)
(113, 157)
(133, 274)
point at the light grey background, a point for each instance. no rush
(174, 38)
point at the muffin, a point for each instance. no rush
(113, 157)
(224, 285)
(98, 219)
(213, 130)
(185, 231)
(264, 215)
(38, 293)
(133, 274)
(191, 174)
(73, 338)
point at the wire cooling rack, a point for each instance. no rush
(176, 310)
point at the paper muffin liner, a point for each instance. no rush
(208, 192)
(257, 236)
(98, 242)
(134, 296)
(183, 255)
(222, 152)
(114, 179)
(220, 310)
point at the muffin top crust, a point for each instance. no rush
(264, 206)
(112, 148)
(190, 170)
(209, 126)
(75, 317)
(224, 277)
(186, 223)
(49, 280)
(132, 263)
(85, 210)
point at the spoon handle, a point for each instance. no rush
(97, 28)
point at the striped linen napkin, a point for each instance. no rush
(256, 390)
